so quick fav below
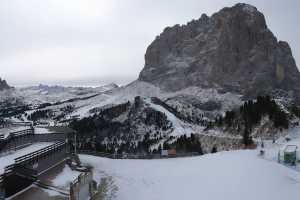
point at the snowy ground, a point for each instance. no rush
(231, 175)
(42, 130)
(271, 149)
(9, 158)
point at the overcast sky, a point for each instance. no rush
(102, 41)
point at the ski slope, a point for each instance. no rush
(180, 128)
(232, 175)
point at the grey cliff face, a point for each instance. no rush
(232, 50)
(3, 85)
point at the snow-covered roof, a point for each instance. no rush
(290, 148)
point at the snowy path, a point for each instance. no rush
(9, 159)
(232, 175)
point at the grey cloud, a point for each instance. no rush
(52, 40)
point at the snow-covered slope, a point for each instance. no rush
(191, 110)
(188, 96)
(189, 100)
(179, 127)
(232, 175)
(117, 96)
(51, 94)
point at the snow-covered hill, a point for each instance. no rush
(232, 175)
(51, 94)
(191, 110)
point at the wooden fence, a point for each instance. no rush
(15, 134)
(30, 159)
(26, 137)
(137, 156)
(33, 156)
(80, 188)
(15, 140)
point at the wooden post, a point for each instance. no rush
(2, 192)
(71, 192)
(75, 144)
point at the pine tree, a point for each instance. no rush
(214, 150)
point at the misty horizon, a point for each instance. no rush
(84, 82)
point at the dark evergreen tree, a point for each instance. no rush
(214, 150)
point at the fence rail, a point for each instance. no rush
(22, 123)
(20, 162)
(80, 188)
(36, 154)
(7, 171)
(14, 134)
(137, 156)
(23, 132)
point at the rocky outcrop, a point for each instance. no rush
(4, 85)
(233, 51)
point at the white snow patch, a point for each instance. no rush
(65, 177)
(51, 193)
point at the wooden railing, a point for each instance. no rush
(1, 179)
(22, 123)
(25, 171)
(36, 154)
(20, 162)
(137, 156)
(80, 187)
(14, 134)
(7, 171)
(22, 133)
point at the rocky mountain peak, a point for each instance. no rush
(3, 85)
(232, 50)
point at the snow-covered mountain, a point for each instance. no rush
(201, 75)
(186, 87)
(52, 94)
(19, 102)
